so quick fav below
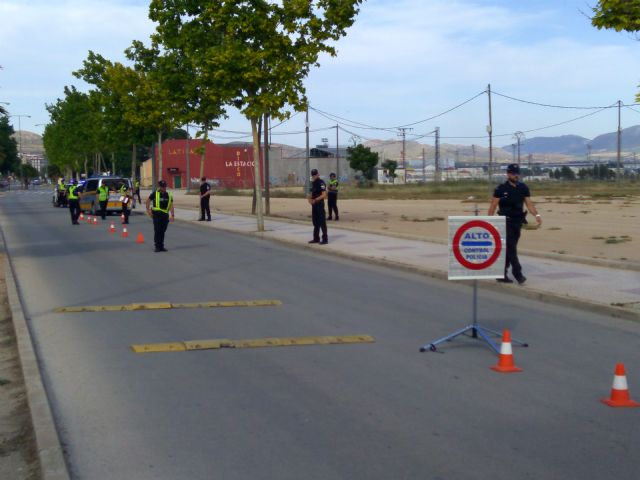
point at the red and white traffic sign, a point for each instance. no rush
(476, 247)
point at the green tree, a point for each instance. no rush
(9, 160)
(362, 159)
(256, 53)
(390, 167)
(617, 14)
(566, 173)
(26, 173)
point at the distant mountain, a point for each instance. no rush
(577, 145)
(31, 142)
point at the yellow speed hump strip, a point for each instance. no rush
(250, 343)
(166, 306)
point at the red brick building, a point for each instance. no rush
(227, 166)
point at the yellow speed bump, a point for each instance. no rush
(216, 344)
(167, 306)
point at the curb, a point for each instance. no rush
(50, 454)
(517, 290)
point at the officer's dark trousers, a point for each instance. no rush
(74, 210)
(319, 221)
(103, 209)
(333, 205)
(513, 235)
(160, 224)
(138, 194)
(125, 213)
(204, 208)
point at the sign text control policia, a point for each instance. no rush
(476, 247)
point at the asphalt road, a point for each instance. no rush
(366, 411)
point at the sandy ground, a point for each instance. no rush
(606, 229)
(18, 459)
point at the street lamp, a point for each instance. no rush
(20, 133)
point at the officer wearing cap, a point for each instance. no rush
(74, 202)
(509, 199)
(205, 197)
(316, 197)
(160, 208)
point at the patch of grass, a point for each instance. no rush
(614, 240)
(585, 211)
(597, 238)
(4, 381)
(554, 228)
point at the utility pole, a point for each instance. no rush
(424, 167)
(403, 134)
(188, 162)
(519, 136)
(20, 133)
(513, 153)
(306, 163)
(337, 153)
(619, 162)
(473, 152)
(490, 132)
(267, 196)
(436, 173)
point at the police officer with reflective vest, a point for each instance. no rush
(333, 196)
(137, 190)
(509, 198)
(316, 197)
(74, 202)
(160, 208)
(103, 199)
(126, 201)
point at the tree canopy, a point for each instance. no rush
(9, 160)
(362, 159)
(617, 14)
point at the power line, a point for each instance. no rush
(530, 102)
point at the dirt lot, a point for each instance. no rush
(18, 459)
(578, 226)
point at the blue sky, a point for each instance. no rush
(402, 61)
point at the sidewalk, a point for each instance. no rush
(605, 290)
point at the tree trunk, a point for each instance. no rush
(258, 173)
(113, 163)
(254, 199)
(204, 149)
(86, 168)
(159, 155)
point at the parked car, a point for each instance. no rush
(89, 194)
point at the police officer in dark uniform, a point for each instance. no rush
(127, 200)
(333, 196)
(137, 190)
(316, 197)
(74, 202)
(509, 198)
(160, 208)
(205, 197)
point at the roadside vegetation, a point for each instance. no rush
(463, 189)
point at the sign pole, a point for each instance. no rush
(476, 246)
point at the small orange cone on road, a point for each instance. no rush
(505, 359)
(140, 238)
(95, 220)
(112, 228)
(125, 234)
(81, 216)
(620, 391)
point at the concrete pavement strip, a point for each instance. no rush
(50, 453)
(557, 281)
(219, 343)
(168, 306)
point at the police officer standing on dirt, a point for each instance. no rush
(74, 202)
(316, 197)
(160, 208)
(333, 196)
(509, 198)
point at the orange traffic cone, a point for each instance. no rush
(505, 359)
(140, 238)
(112, 228)
(81, 216)
(88, 218)
(125, 234)
(95, 220)
(620, 391)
